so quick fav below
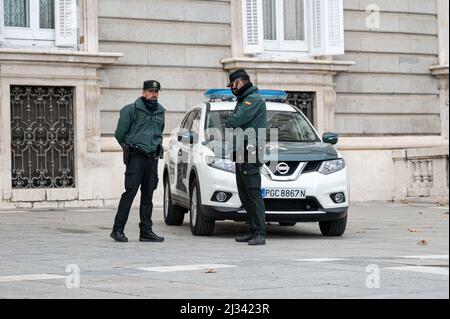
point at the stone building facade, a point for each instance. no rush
(376, 72)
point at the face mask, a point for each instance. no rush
(152, 104)
(242, 90)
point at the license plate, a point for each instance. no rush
(283, 193)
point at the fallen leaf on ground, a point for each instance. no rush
(211, 271)
(423, 242)
(412, 230)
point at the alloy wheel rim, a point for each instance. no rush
(194, 207)
(166, 200)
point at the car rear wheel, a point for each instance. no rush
(334, 228)
(287, 223)
(200, 224)
(173, 214)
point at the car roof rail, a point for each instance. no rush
(226, 95)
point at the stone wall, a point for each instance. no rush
(179, 43)
(390, 90)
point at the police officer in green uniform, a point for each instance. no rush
(249, 114)
(139, 132)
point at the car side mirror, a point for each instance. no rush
(186, 137)
(330, 138)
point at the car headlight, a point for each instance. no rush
(223, 164)
(329, 167)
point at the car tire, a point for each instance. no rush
(173, 214)
(333, 228)
(200, 224)
(287, 223)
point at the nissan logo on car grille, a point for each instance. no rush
(283, 168)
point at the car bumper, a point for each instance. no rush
(316, 185)
(223, 213)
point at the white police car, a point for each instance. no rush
(305, 182)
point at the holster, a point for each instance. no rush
(159, 151)
(126, 153)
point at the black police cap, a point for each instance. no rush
(152, 85)
(238, 74)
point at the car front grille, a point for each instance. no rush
(292, 167)
(292, 205)
(311, 166)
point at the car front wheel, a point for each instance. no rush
(200, 224)
(333, 228)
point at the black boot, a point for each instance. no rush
(119, 236)
(150, 236)
(244, 238)
(259, 239)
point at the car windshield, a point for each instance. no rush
(292, 126)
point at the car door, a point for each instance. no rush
(181, 154)
(174, 147)
(191, 148)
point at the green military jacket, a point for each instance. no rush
(250, 112)
(141, 127)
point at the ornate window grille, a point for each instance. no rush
(42, 137)
(304, 101)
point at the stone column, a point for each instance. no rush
(236, 28)
(92, 117)
(88, 22)
(5, 142)
(324, 109)
(443, 97)
(443, 31)
(441, 70)
(88, 19)
(329, 109)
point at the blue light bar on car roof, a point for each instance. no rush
(227, 95)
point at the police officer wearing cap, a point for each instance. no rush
(140, 133)
(249, 113)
